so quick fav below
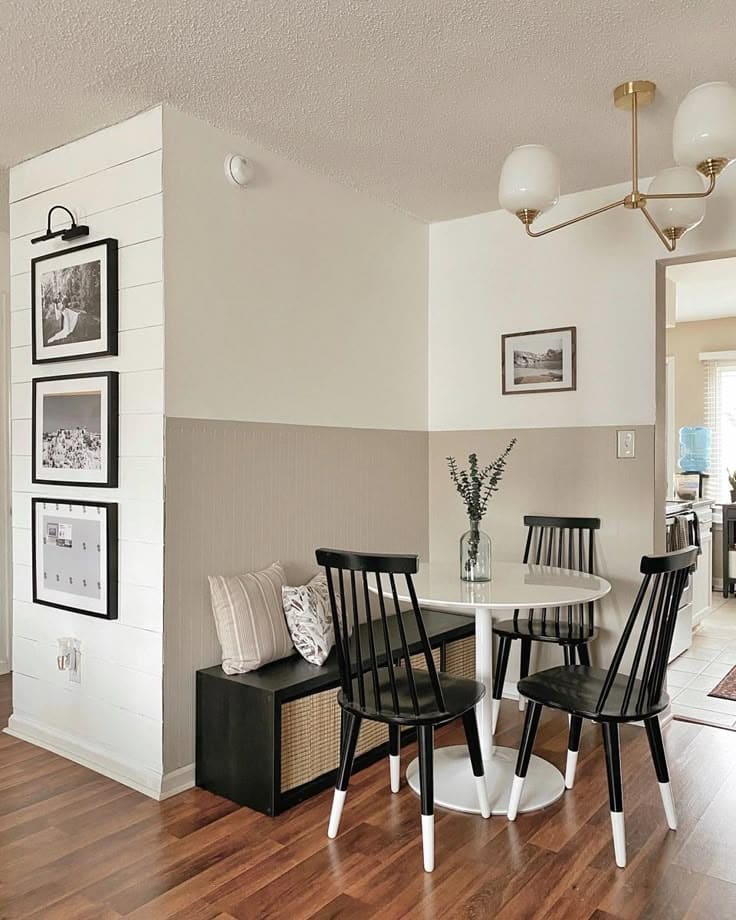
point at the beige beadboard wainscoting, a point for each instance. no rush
(240, 495)
(565, 471)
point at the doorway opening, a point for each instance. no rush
(695, 449)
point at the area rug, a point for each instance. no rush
(726, 689)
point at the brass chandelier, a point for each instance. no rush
(704, 143)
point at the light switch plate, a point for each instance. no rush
(625, 444)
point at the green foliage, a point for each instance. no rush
(475, 485)
(731, 478)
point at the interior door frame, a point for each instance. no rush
(670, 365)
(660, 384)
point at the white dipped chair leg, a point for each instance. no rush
(619, 838)
(338, 802)
(483, 803)
(522, 703)
(665, 790)
(496, 708)
(428, 842)
(394, 766)
(659, 757)
(570, 766)
(517, 788)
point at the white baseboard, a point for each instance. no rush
(4, 666)
(177, 781)
(702, 615)
(143, 779)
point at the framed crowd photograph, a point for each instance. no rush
(75, 430)
(538, 362)
(75, 556)
(74, 303)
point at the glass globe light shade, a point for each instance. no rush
(530, 179)
(705, 125)
(680, 213)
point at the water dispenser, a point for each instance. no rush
(695, 447)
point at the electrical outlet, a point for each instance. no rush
(69, 658)
(75, 672)
(626, 444)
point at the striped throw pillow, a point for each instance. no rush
(249, 619)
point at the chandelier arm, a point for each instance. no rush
(670, 244)
(708, 191)
(574, 220)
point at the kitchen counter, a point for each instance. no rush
(677, 505)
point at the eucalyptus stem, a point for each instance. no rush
(476, 485)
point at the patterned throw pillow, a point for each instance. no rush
(249, 619)
(308, 615)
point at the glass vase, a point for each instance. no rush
(475, 554)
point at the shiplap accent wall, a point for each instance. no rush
(5, 564)
(112, 721)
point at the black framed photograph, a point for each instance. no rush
(540, 361)
(75, 430)
(74, 303)
(75, 556)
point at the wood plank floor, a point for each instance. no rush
(76, 845)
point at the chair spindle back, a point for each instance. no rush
(655, 610)
(567, 543)
(371, 649)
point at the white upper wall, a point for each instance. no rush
(488, 278)
(296, 300)
(704, 290)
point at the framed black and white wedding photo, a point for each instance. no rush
(74, 302)
(75, 430)
(540, 361)
(75, 556)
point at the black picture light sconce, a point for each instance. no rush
(66, 233)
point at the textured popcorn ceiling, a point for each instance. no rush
(416, 102)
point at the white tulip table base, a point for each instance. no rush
(455, 787)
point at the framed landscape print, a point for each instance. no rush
(75, 430)
(538, 362)
(74, 303)
(75, 556)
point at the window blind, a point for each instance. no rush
(720, 417)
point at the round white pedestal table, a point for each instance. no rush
(513, 586)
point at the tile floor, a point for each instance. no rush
(692, 676)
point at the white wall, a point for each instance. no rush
(487, 278)
(297, 300)
(112, 180)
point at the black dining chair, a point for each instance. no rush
(379, 682)
(568, 543)
(612, 697)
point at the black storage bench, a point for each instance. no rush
(271, 738)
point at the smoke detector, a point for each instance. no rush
(238, 170)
